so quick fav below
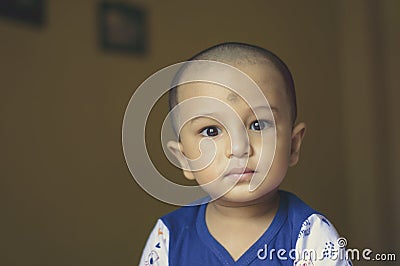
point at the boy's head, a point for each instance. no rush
(239, 54)
(230, 140)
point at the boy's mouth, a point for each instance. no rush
(243, 174)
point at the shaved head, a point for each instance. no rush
(236, 54)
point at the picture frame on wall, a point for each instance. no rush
(30, 12)
(122, 28)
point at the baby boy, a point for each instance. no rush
(237, 143)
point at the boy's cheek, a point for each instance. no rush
(190, 148)
(283, 140)
(192, 154)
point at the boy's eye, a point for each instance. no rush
(210, 131)
(260, 125)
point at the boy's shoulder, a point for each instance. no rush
(295, 207)
(183, 217)
(297, 210)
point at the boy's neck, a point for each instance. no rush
(262, 207)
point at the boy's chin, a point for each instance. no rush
(242, 194)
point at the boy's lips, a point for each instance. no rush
(243, 174)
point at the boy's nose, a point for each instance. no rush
(239, 144)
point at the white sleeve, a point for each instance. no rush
(156, 250)
(318, 243)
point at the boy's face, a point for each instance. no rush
(257, 142)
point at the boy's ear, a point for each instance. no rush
(177, 150)
(298, 133)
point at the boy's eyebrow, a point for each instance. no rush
(206, 115)
(272, 108)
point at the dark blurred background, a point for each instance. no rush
(66, 195)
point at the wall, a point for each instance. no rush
(66, 195)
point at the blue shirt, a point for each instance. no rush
(182, 238)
